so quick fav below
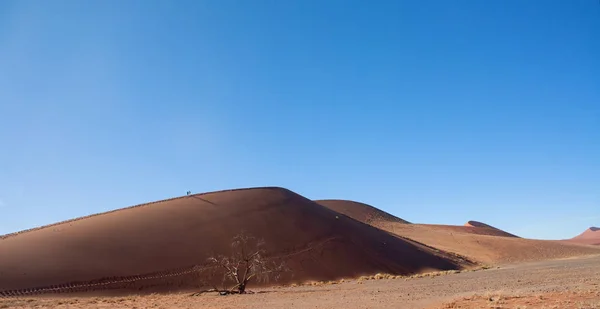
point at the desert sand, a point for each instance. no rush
(158, 246)
(120, 258)
(484, 247)
(572, 283)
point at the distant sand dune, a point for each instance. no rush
(478, 224)
(489, 245)
(590, 236)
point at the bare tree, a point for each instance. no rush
(246, 263)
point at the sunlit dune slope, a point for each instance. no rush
(170, 237)
(590, 236)
(481, 225)
(489, 248)
(470, 230)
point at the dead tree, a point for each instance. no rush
(247, 262)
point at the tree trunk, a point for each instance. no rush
(242, 288)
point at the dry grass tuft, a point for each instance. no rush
(551, 300)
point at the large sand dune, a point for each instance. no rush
(488, 246)
(590, 236)
(154, 246)
(360, 211)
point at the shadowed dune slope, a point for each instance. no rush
(489, 249)
(590, 236)
(360, 211)
(179, 233)
(481, 225)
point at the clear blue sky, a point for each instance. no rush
(436, 111)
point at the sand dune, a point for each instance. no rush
(590, 236)
(476, 230)
(482, 225)
(154, 247)
(360, 211)
(476, 245)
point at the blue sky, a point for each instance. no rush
(436, 111)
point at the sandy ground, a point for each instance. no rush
(554, 300)
(566, 283)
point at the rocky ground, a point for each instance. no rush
(567, 283)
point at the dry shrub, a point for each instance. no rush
(247, 262)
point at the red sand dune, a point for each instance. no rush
(476, 230)
(482, 225)
(590, 236)
(360, 211)
(489, 248)
(154, 247)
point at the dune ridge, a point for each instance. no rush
(487, 246)
(478, 224)
(591, 236)
(121, 209)
(591, 233)
(360, 211)
(175, 236)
